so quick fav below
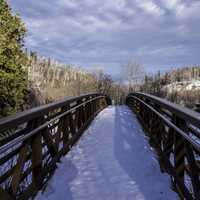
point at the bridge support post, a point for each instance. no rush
(179, 160)
(36, 159)
(65, 128)
(175, 143)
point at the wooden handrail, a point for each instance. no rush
(11, 121)
(38, 138)
(174, 133)
(182, 112)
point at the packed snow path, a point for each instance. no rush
(112, 161)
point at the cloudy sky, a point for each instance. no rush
(158, 34)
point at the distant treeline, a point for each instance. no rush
(181, 85)
(50, 80)
(28, 80)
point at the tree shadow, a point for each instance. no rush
(132, 155)
(59, 185)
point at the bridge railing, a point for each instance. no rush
(174, 131)
(32, 142)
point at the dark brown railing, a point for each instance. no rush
(32, 142)
(174, 131)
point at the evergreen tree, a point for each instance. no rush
(13, 76)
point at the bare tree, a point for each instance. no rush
(104, 82)
(133, 73)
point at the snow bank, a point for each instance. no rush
(183, 86)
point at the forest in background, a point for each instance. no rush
(181, 86)
(28, 80)
(50, 81)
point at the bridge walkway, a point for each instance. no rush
(112, 161)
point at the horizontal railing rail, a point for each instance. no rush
(32, 142)
(174, 132)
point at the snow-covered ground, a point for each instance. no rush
(192, 85)
(112, 161)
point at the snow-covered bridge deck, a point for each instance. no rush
(112, 160)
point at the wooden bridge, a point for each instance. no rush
(33, 143)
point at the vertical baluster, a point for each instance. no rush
(59, 132)
(36, 155)
(88, 109)
(179, 157)
(83, 114)
(66, 131)
(79, 124)
(65, 127)
(71, 124)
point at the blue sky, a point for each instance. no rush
(158, 34)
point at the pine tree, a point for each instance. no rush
(13, 76)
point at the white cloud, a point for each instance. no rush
(188, 11)
(172, 4)
(69, 3)
(150, 7)
(110, 32)
(183, 9)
